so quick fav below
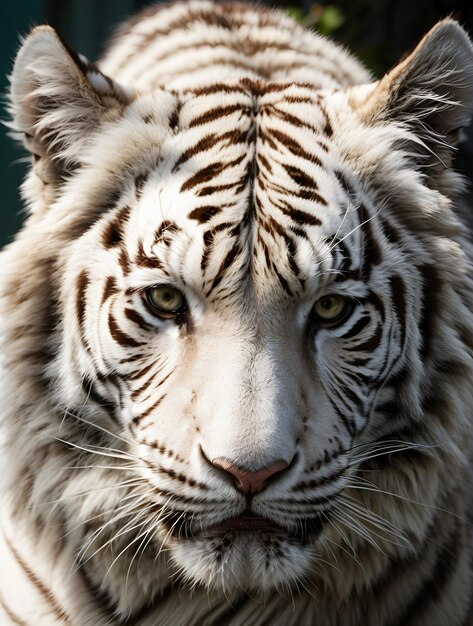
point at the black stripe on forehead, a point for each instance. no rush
(372, 252)
(283, 202)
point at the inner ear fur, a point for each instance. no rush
(57, 100)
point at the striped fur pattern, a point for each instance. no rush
(222, 150)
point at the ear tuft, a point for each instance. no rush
(431, 91)
(57, 99)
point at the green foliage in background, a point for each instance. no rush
(335, 20)
(326, 19)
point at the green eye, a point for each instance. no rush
(167, 301)
(332, 310)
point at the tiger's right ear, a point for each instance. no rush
(430, 93)
(57, 100)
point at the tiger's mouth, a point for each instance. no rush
(182, 526)
(247, 521)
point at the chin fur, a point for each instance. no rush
(242, 562)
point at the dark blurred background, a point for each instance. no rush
(378, 31)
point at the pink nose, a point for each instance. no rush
(249, 483)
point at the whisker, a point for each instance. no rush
(98, 427)
(96, 449)
(134, 507)
(375, 489)
(374, 520)
(142, 547)
(102, 513)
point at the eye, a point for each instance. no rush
(166, 301)
(332, 310)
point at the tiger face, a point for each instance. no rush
(239, 315)
(238, 308)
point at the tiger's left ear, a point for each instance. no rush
(57, 100)
(430, 92)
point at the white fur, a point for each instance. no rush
(247, 383)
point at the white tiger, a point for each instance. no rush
(237, 331)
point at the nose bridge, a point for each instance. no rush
(259, 372)
(269, 386)
(253, 421)
(246, 395)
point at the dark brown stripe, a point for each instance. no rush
(110, 288)
(147, 383)
(206, 174)
(204, 144)
(182, 478)
(357, 328)
(207, 241)
(216, 113)
(301, 218)
(142, 371)
(89, 388)
(211, 189)
(112, 234)
(215, 88)
(154, 406)
(114, 230)
(372, 343)
(328, 130)
(83, 283)
(283, 281)
(137, 392)
(204, 213)
(140, 182)
(208, 238)
(143, 260)
(46, 593)
(163, 380)
(299, 232)
(266, 164)
(124, 261)
(226, 263)
(372, 254)
(313, 196)
(295, 147)
(165, 231)
(300, 177)
(137, 319)
(174, 118)
(294, 121)
(119, 336)
(291, 256)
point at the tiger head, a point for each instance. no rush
(244, 295)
